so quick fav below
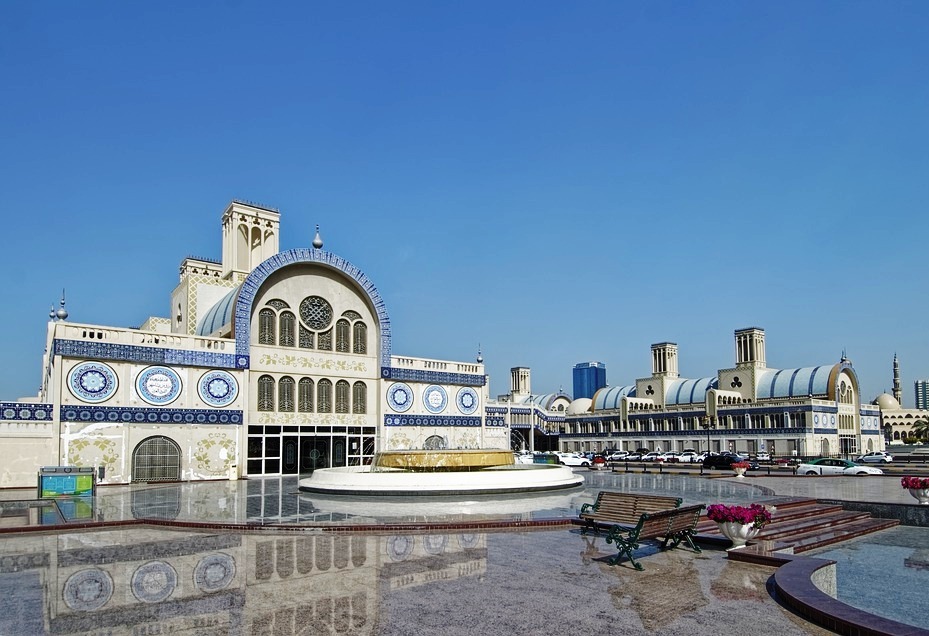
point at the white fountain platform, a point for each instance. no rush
(364, 480)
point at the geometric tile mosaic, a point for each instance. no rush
(431, 420)
(23, 411)
(432, 377)
(134, 353)
(132, 415)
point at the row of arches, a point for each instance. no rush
(288, 395)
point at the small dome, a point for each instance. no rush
(578, 406)
(886, 402)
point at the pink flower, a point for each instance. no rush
(755, 515)
(915, 483)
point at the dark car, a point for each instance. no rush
(726, 460)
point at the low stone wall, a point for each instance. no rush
(907, 514)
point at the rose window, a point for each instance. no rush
(316, 312)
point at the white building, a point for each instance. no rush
(269, 363)
(747, 408)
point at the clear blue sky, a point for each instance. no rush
(560, 182)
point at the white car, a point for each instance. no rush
(876, 457)
(653, 456)
(829, 466)
(618, 456)
(763, 457)
(688, 456)
(671, 456)
(573, 459)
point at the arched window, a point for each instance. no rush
(341, 336)
(324, 340)
(266, 393)
(305, 395)
(341, 396)
(360, 338)
(285, 394)
(306, 338)
(288, 329)
(359, 398)
(156, 459)
(266, 320)
(324, 396)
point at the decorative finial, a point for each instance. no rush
(51, 312)
(844, 357)
(480, 358)
(62, 313)
(317, 240)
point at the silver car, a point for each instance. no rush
(829, 466)
(876, 457)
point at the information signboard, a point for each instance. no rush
(74, 481)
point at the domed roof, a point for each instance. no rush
(887, 402)
(219, 315)
(579, 406)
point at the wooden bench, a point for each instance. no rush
(674, 526)
(622, 508)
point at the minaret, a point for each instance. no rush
(250, 236)
(898, 394)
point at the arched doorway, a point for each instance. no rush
(824, 448)
(435, 442)
(156, 459)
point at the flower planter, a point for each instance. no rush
(739, 472)
(738, 533)
(921, 495)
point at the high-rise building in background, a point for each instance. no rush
(922, 394)
(589, 377)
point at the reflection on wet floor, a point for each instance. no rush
(153, 581)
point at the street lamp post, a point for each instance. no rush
(706, 426)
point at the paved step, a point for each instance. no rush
(796, 526)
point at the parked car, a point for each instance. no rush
(876, 457)
(829, 466)
(633, 456)
(618, 456)
(699, 457)
(687, 456)
(726, 460)
(653, 456)
(671, 457)
(524, 457)
(573, 459)
(763, 457)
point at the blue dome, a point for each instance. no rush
(609, 397)
(219, 314)
(689, 391)
(781, 383)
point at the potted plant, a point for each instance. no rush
(918, 487)
(740, 467)
(739, 523)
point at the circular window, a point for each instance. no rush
(316, 312)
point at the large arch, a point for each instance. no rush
(252, 284)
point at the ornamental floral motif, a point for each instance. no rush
(311, 362)
(215, 462)
(467, 400)
(218, 388)
(400, 397)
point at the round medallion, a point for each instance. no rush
(154, 582)
(399, 547)
(218, 388)
(435, 543)
(92, 381)
(316, 312)
(467, 400)
(88, 590)
(815, 419)
(832, 420)
(214, 572)
(435, 398)
(400, 397)
(158, 385)
(467, 541)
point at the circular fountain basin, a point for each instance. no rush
(411, 473)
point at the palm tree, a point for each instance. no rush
(921, 429)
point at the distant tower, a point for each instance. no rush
(749, 348)
(520, 382)
(664, 359)
(589, 377)
(922, 394)
(898, 394)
